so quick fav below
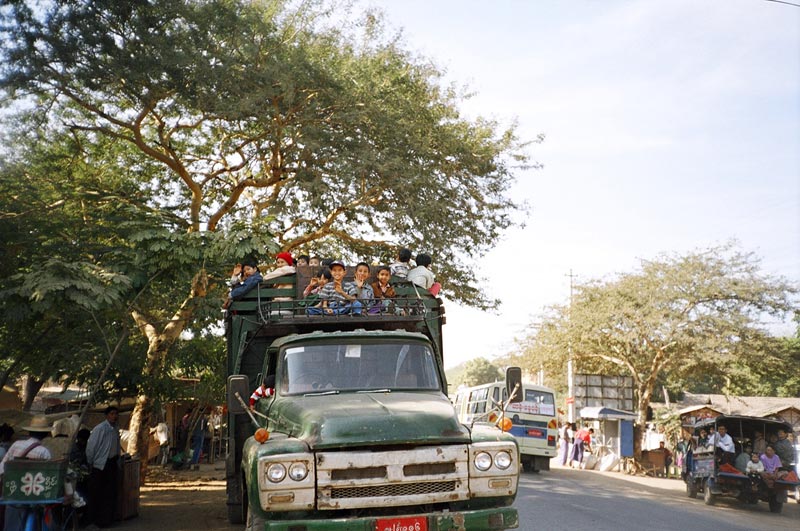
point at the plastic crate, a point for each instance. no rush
(32, 480)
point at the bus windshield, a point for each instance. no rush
(334, 367)
(536, 402)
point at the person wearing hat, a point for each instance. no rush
(102, 455)
(337, 297)
(30, 448)
(245, 277)
(284, 265)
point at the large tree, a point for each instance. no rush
(265, 113)
(698, 313)
(479, 371)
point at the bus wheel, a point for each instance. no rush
(529, 464)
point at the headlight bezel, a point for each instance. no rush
(298, 465)
(278, 467)
(505, 457)
(481, 458)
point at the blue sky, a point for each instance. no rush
(670, 125)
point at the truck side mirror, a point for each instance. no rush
(237, 383)
(514, 384)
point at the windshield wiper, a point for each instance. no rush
(375, 391)
(321, 393)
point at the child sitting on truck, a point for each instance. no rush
(421, 275)
(311, 292)
(402, 266)
(364, 291)
(754, 466)
(383, 291)
(245, 277)
(337, 297)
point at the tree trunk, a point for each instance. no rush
(30, 388)
(645, 394)
(158, 345)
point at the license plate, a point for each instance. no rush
(411, 523)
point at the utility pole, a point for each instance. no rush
(570, 368)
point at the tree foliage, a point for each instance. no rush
(698, 315)
(81, 251)
(480, 371)
(241, 110)
(228, 127)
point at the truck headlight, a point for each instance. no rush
(276, 472)
(298, 471)
(502, 460)
(483, 461)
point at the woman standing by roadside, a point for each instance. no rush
(566, 441)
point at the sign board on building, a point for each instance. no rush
(602, 390)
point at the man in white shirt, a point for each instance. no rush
(421, 275)
(725, 443)
(102, 454)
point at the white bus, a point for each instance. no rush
(534, 422)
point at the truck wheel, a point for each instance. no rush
(691, 489)
(774, 505)
(708, 496)
(237, 512)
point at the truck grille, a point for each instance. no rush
(352, 480)
(409, 489)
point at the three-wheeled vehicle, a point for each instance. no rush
(704, 472)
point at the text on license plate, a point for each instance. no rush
(411, 523)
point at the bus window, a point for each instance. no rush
(477, 401)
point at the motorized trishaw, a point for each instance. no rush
(704, 470)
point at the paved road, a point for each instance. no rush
(602, 501)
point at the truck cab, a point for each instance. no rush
(359, 433)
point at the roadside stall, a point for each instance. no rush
(614, 435)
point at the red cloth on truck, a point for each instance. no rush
(729, 468)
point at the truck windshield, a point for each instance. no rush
(358, 367)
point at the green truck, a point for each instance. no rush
(360, 433)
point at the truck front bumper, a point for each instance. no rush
(476, 520)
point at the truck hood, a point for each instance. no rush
(359, 419)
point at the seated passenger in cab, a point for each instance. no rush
(726, 449)
(754, 465)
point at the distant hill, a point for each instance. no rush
(453, 376)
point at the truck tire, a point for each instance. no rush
(691, 489)
(708, 496)
(237, 513)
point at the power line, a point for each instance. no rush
(782, 2)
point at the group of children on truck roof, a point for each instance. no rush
(328, 293)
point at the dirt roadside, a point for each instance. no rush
(188, 500)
